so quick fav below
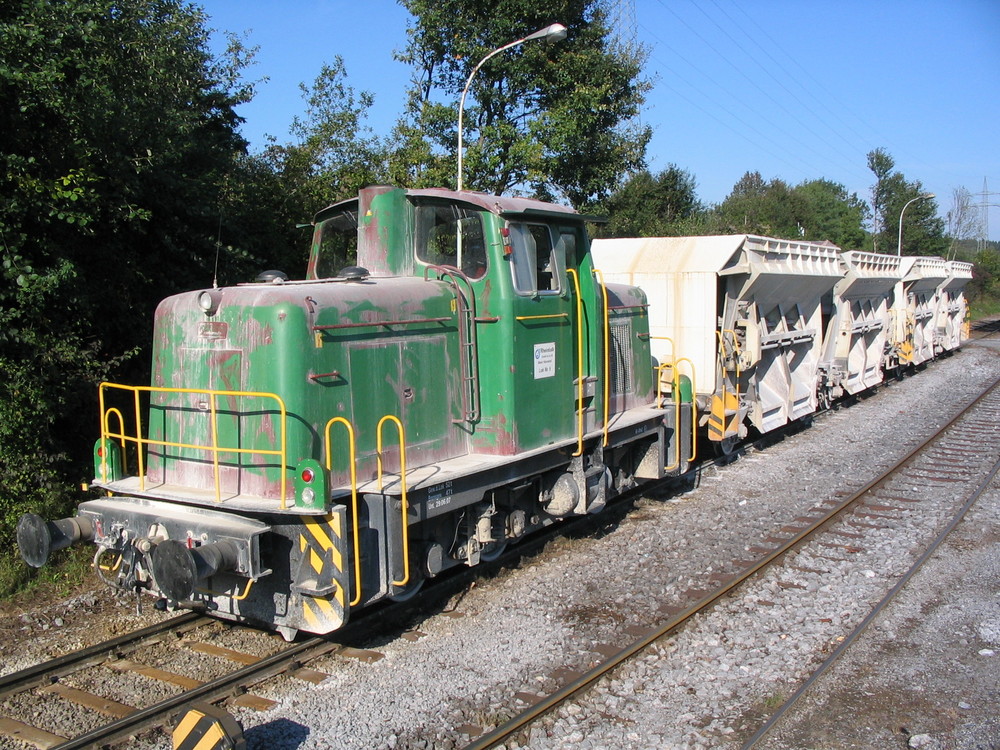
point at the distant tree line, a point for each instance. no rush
(124, 179)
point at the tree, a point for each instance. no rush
(757, 207)
(334, 154)
(881, 164)
(814, 210)
(117, 140)
(557, 119)
(986, 274)
(923, 231)
(962, 220)
(663, 205)
(831, 213)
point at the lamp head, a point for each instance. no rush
(554, 33)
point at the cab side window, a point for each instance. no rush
(450, 235)
(538, 263)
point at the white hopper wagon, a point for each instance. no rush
(953, 310)
(914, 309)
(858, 329)
(739, 314)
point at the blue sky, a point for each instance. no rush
(796, 89)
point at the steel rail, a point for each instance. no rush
(232, 683)
(550, 702)
(43, 672)
(883, 603)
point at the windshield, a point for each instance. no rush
(335, 245)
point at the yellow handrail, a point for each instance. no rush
(694, 403)
(215, 448)
(141, 442)
(659, 369)
(579, 361)
(234, 597)
(736, 347)
(107, 430)
(607, 352)
(354, 496)
(722, 372)
(675, 394)
(541, 317)
(402, 482)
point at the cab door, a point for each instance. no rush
(544, 333)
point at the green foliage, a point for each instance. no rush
(984, 288)
(556, 118)
(661, 205)
(831, 213)
(758, 207)
(117, 141)
(813, 210)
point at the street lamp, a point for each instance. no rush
(899, 242)
(553, 33)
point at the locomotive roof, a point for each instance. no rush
(506, 206)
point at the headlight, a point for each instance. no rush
(209, 301)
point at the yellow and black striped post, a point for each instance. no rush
(206, 727)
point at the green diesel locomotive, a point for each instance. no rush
(308, 447)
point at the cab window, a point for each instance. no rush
(538, 262)
(451, 235)
(335, 245)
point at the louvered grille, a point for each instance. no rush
(621, 358)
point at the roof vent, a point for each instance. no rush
(354, 273)
(272, 277)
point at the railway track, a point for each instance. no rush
(112, 722)
(234, 686)
(982, 329)
(960, 456)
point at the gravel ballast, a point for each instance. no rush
(517, 632)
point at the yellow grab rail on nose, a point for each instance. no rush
(402, 482)
(607, 351)
(354, 496)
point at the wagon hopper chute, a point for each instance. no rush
(953, 309)
(858, 328)
(915, 308)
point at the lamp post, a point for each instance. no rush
(553, 33)
(899, 242)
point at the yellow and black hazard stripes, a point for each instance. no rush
(322, 575)
(724, 417)
(206, 727)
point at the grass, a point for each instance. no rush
(22, 586)
(985, 307)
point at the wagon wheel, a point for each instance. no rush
(407, 592)
(726, 447)
(492, 551)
